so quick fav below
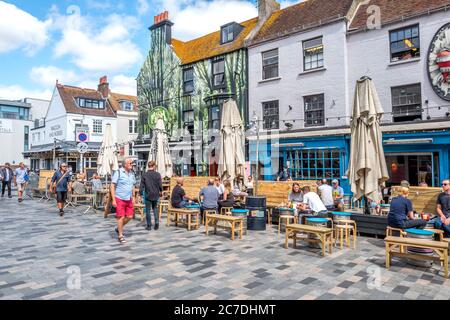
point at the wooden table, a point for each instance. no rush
(325, 235)
(236, 223)
(188, 213)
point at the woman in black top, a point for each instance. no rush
(228, 197)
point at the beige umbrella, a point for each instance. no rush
(231, 159)
(367, 167)
(107, 158)
(159, 150)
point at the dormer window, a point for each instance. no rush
(91, 103)
(229, 32)
(126, 105)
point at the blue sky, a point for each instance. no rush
(78, 41)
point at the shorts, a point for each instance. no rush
(61, 196)
(21, 187)
(125, 208)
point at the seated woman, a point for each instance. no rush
(401, 213)
(295, 197)
(228, 197)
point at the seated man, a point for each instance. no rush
(210, 197)
(401, 213)
(443, 209)
(311, 200)
(338, 195)
(325, 192)
(179, 198)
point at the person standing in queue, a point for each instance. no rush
(122, 186)
(61, 184)
(151, 183)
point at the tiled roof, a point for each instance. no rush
(209, 45)
(302, 16)
(69, 94)
(392, 10)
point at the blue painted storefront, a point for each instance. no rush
(308, 158)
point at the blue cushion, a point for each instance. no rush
(286, 209)
(345, 214)
(239, 211)
(420, 232)
(385, 205)
(317, 220)
(193, 206)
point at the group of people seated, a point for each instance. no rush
(401, 213)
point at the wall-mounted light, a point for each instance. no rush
(290, 108)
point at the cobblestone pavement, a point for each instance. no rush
(41, 254)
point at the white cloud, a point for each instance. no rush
(16, 92)
(196, 18)
(124, 84)
(47, 75)
(103, 49)
(142, 7)
(19, 29)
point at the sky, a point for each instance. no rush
(78, 41)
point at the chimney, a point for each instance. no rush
(161, 21)
(265, 10)
(103, 87)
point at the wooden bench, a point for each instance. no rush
(139, 207)
(236, 223)
(394, 243)
(325, 235)
(188, 214)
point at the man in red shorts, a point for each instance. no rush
(122, 187)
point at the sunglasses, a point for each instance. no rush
(445, 184)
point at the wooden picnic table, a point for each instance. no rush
(236, 223)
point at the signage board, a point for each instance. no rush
(6, 126)
(82, 134)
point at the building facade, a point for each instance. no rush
(74, 110)
(303, 68)
(187, 83)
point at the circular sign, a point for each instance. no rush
(82, 147)
(82, 137)
(439, 62)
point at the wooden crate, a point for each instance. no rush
(277, 192)
(423, 199)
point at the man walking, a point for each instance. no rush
(151, 183)
(443, 209)
(7, 177)
(122, 186)
(61, 184)
(20, 180)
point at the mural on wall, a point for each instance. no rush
(439, 62)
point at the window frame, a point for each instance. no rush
(211, 121)
(185, 82)
(318, 61)
(397, 30)
(417, 104)
(314, 110)
(272, 65)
(213, 63)
(230, 27)
(96, 124)
(89, 103)
(272, 117)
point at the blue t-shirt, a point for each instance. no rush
(398, 213)
(21, 175)
(62, 186)
(124, 184)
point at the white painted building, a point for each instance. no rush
(303, 68)
(73, 109)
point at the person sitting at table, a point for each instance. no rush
(96, 183)
(219, 186)
(325, 191)
(338, 195)
(312, 201)
(295, 197)
(401, 214)
(443, 209)
(239, 187)
(179, 198)
(210, 197)
(249, 185)
(228, 197)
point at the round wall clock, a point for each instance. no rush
(439, 62)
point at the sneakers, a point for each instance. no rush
(20, 200)
(148, 228)
(61, 212)
(156, 226)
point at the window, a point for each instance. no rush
(91, 104)
(188, 80)
(214, 117)
(188, 117)
(405, 43)
(312, 164)
(270, 64)
(227, 33)
(219, 73)
(97, 126)
(271, 115)
(13, 112)
(406, 103)
(26, 139)
(312, 54)
(126, 105)
(132, 126)
(131, 149)
(314, 110)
